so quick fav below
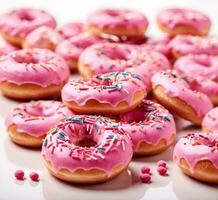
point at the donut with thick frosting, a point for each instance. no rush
(66, 158)
(175, 21)
(110, 93)
(117, 22)
(197, 156)
(108, 57)
(210, 121)
(186, 44)
(17, 24)
(32, 74)
(72, 48)
(5, 47)
(150, 126)
(42, 37)
(172, 91)
(28, 123)
(71, 29)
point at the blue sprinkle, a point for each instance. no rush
(111, 136)
(167, 118)
(62, 135)
(158, 127)
(150, 109)
(100, 148)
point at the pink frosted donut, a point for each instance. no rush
(5, 47)
(32, 74)
(117, 22)
(111, 93)
(42, 37)
(172, 91)
(72, 48)
(106, 153)
(210, 121)
(197, 155)
(28, 123)
(177, 21)
(16, 24)
(198, 64)
(186, 44)
(71, 29)
(150, 126)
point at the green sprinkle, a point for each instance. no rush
(101, 52)
(45, 143)
(174, 75)
(125, 73)
(99, 77)
(100, 148)
(137, 77)
(118, 87)
(53, 131)
(74, 119)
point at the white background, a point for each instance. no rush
(126, 186)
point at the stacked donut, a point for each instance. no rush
(106, 116)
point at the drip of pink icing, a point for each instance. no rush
(36, 118)
(43, 37)
(210, 120)
(197, 147)
(5, 47)
(175, 17)
(115, 18)
(187, 44)
(111, 88)
(201, 64)
(175, 86)
(23, 21)
(113, 147)
(74, 46)
(71, 29)
(149, 122)
(35, 66)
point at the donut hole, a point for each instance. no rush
(136, 115)
(86, 142)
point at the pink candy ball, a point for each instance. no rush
(145, 178)
(19, 174)
(34, 177)
(162, 170)
(162, 163)
(145, 170)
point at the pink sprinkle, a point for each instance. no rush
(145, 178)
(162, 163)
(34, 177)
(145, 170)
(162, 170)
(19, 174)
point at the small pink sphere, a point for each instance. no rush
(145, 170)
(34, 177)
(145, 178)
(162, 163)
(162, 170)
(19, 174)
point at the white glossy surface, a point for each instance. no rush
(127, 185)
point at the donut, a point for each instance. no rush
(16, 24)
(197, 156)
(210, 121)
(176, 21)
(6, 47)
(117, 22)
(187, 44)
(72, 48)
(32, 74)
(151, 128)
(71, 29)
(28, 123)
(42, 37)
(174, 93)
(108, 57)
(110, 93)
(86, 149)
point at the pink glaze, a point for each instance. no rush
(43, 37)
(5, 47)
(174, 17)
(187, 44)
(71, 29)
(199, 64)
(111, 88)
(118, 18)
(36, 118)
(175, 86)
(113, 147)
(210, 121)
(149, 122)
(72, 48)
(36, 66)
(196, 147)
(23, 21)
(108, 57)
